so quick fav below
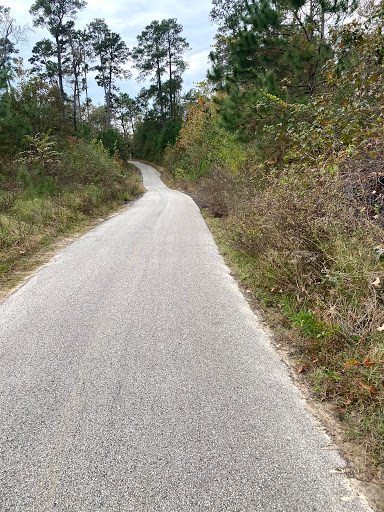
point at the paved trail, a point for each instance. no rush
(135, 378)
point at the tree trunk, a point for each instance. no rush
(160, 89)
(170, 78)
(123, 126)
(175, 103)
(86, 87)
(322, 24)
(60, 68)
(109, 99)
(80, 116)
(108, 105)
(75, 106)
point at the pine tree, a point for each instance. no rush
(42, 60)
(160, 51)
(57, 16)
(10, 35)
(126, 110)
(281, 49)
(150, 58)
(228, 15)
(76, 45)
(176, 47)
(112, 55)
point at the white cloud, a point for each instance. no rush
(198, 66)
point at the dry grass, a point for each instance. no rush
(43, 200)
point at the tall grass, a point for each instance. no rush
(48, 191)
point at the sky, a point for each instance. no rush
(129, 18)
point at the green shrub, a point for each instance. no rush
(113, 141)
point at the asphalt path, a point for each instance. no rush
(134, 377)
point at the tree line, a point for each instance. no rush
(263, 49)
(57, 83)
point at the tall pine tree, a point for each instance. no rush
(57, 16)
(112, 54)
(150, 58)
(160, 52)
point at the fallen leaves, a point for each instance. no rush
(305, 365)
(368, 388)
(348, 364)
(367, 363)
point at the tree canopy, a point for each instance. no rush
(112, 54)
